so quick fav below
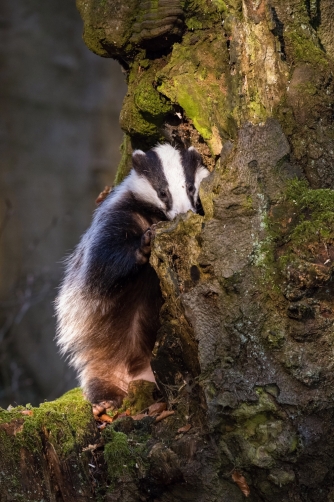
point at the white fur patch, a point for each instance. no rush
(200, 174)
(174, 173)
(144, 190)
(139, 186)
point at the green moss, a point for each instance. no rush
(261, 433)
(117, 453)
(140, 395)
(133, 121)
(195, 79)
(315, 209)
(301, 222)
(307, 88)
(125, 164)
(194, 24)
(144, 108)
(93, 38)
(313, 222)
(71, 414)
(201, 12)
(193, 104)
(64, 423)
(304, 49)
(220, 5)
(149, 101)
(145, 63)
(107, 33)
(247, 412)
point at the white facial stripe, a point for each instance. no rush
(200, 174)
(173, 170)
(144, 190)
(140, 186)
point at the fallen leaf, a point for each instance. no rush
(101, 426)
(185, 428)
(106, 418)
(240, 480)
(126, 413)
(156, 408)
(103, 195)
(164, 415)
(139, 416)
(91, 447)
(27, 412)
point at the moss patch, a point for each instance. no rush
(71, 414)
(55, 434)
(300, 234)
(117, 453)
(144, 108)
(195, 79)
(125, 164)
(304, 48)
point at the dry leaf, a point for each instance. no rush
(27, 412)
(92, 447)
(185, 428)
(125, 413)
(156, 408)
(103, 195)
(101, 426)
(240, 480)
(106, 418)
(164, 415)
(139, 416)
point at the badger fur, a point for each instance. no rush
(109, 301)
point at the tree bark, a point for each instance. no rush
(244, 354)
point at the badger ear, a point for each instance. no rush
(139, 161)
(194, 154)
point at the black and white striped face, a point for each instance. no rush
(168, 178)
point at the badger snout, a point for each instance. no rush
(174, 212)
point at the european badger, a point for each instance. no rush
(109, 301)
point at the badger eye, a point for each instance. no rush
(191, 188)
(162, 193)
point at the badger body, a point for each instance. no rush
(109, 302)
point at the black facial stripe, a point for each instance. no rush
(149, 165)
(166, 197)
(191, 160)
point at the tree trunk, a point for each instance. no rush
(245, 353)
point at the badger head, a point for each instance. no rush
(168, 178)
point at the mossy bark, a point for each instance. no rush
(245, 351)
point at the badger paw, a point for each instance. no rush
(144, 251)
